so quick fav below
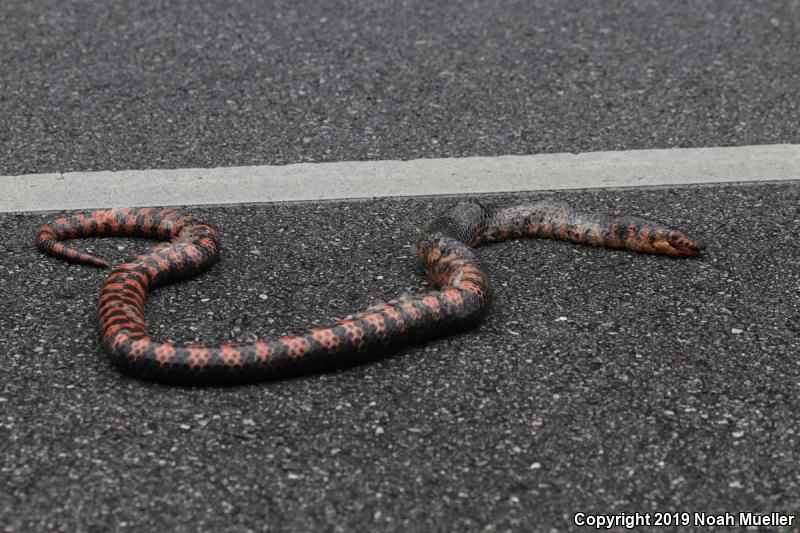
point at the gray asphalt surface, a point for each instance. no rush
(671, 385)
(154, 84)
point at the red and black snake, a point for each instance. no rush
(462, 297)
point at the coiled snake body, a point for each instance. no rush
(462, 298)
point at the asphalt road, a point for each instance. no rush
(602, 382)
(155, 84)
(668, 385)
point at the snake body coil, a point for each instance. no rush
(462, 298)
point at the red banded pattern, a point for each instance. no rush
(462, 297)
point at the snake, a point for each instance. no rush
(461, 294)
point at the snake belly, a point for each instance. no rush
(461, 300)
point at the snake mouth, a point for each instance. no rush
(688, 249)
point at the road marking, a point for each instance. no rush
(420, 177)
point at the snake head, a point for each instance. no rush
(677, 244)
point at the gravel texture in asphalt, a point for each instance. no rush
(603, 381)
(197, 83)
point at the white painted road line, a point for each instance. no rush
(421, 177)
